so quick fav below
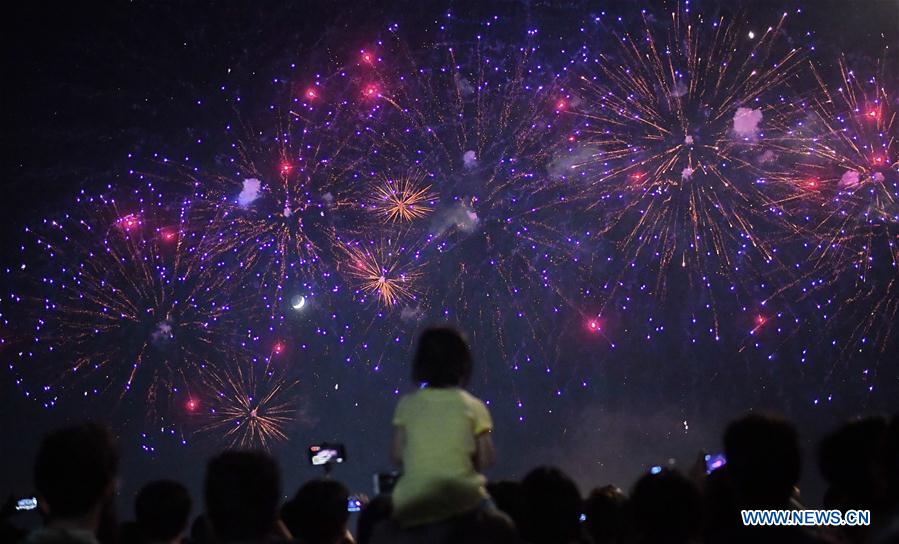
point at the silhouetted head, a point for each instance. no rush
(508, 496)
(242, 490)
(604, 510)
(76, 469)
(666, 508)
(162, 509)
(553, 506)
(763, 460)
(442, 359)
(848, 459)
(318, 513)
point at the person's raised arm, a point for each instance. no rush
(485, 453)
(398, 445)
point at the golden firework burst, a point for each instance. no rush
(249, 406)
(383, 270)
(403, 199)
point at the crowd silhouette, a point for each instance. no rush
(442, 443)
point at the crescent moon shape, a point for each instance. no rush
(298, 302)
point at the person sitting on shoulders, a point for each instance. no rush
(441, 435)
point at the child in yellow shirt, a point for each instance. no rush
(441, 435)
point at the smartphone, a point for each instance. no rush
(713, 462)
(354, 504)
(322, 454)
(25, 504)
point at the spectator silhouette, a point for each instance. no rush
(665, 508)
(763, 460)
(162, 510)
(722, 517)
(849, 459)
(886, 520)
(890, 463)
(318, 513)
(484, 527)
(242, 491)
(604, 510)
(75, 476)
(509, 498)
(377, 510)
(763, 468)
(199, 530)
(552, 507)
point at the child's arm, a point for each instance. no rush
(485, 453)
(398, 445)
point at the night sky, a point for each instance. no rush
(553, 225)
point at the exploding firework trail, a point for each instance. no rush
(119, 303)
(475, 125)
(404, 200)
(285, 205)
(247, 404)
(674, 131)
(288, 189)
(848, 166)
(383, 270)
(452, 154)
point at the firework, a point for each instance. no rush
(114, 301)
(475, 122)
(848, 164)
(403, 200)
(548, 205)
(676, 126)
(246, 404)
(285, 185)
(384, 270)
(847, 143)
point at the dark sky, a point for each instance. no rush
(85, 83)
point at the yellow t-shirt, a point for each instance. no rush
(439, 480)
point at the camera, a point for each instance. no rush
(26, 504)
(354, 504)
(714, 462)
(326, 454)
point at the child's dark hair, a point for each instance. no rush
(442, 359)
